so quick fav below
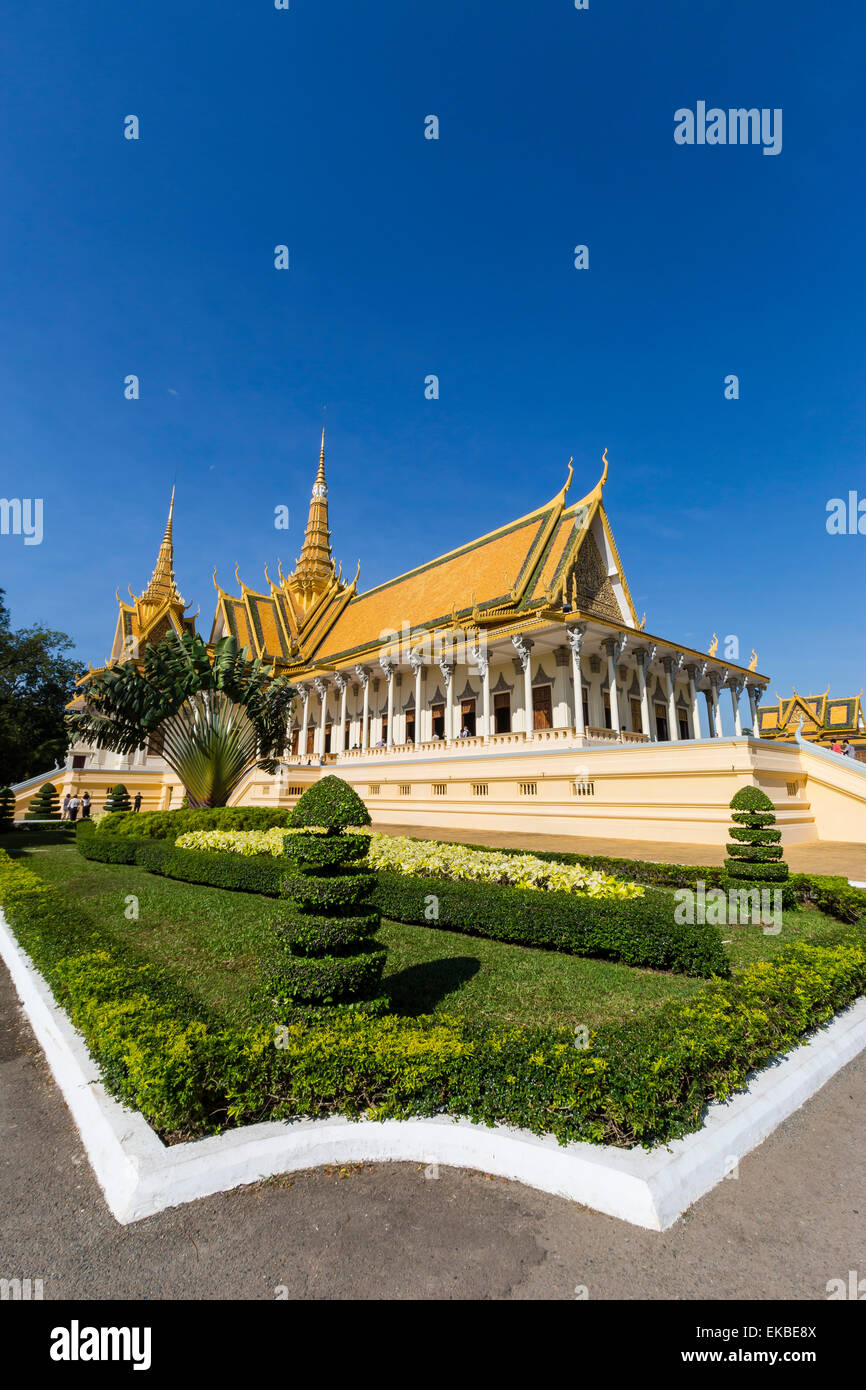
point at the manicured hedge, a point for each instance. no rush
(258, 873)
(832, 893)
(643, 1082)
(636, 931)
(169, 825)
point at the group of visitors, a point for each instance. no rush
(72, 805)
(846, 749)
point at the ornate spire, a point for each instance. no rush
(315, 566)
(162, 585)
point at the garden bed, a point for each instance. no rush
(640, 1081)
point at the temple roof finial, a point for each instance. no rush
(315, 567)
(162, 585)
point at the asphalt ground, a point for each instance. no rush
(793, 1219)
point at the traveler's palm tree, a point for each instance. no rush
(213, 718)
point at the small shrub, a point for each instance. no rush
(754, 854)
(45, 804)
(325, 955)
(118, 799)
(7, 809)
(330, 804)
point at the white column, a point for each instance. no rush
(342, 685)
(479, 656)
(417, 665)
(302, 741)
(388, 668)
(363, 675)
(735, 687)
(670, 665)
(714, 699)
(448, 668)
(611, 646)
(486, 714)
(561, 712)
(644, 657)
(322, 688)
(575, 636)
(523, 647)
(694, 702)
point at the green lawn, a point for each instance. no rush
(213, 941)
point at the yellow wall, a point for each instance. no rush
(670, 792)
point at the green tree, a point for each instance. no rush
(118, 799)
(45, 804)
(7, 809)
(327, 956)
(36, 683)
(212, 717)
(754, 849)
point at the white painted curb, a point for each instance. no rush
(140, 1175)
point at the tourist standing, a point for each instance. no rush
(136, 805)
(64, 814)
(73, 807)
(85, 806)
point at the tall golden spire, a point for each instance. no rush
(162, 585)
(315, 567)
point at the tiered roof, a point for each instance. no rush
(554, 557)
(821, 718)
(160, 607)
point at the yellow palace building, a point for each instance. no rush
(508, 685)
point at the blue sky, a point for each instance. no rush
(454, 257)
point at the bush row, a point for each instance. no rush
(643, 1082)
(831, 893)
(258, 873)
(637, 931)
(168, 825)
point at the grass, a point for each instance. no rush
(213, 941)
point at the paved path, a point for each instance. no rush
(793, 1219)
(820, 857)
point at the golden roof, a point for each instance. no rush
(159, 608)
(510, 575)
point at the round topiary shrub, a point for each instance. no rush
(45, 804)
(118, 799)
(754, 852)
(324, 930)
(7, 809)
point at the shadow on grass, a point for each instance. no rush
(419, 988)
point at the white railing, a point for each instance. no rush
(475, 743)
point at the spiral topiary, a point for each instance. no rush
(326, 956)
(118, 799)
(45, 804)
(755, 854)
(7, 809)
